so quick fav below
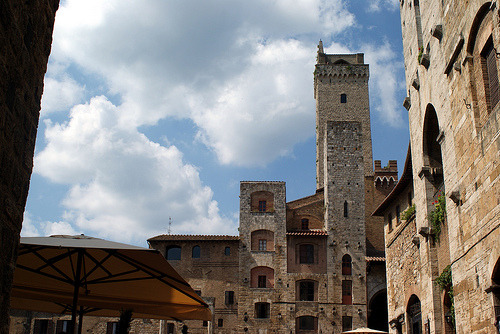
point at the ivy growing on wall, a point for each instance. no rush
(445, 283)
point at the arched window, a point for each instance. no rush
(174, 253)
(414, 315)
(484, 67)
(346, 265)
(432, 148)
(346, 212)
(196, 252)
(306, 253)
(343, 98)
(495, 278)
(262, 277)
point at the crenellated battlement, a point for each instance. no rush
(343, 70)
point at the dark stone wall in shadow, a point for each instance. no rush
(25, 40)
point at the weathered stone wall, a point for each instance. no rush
(450, 80)
(212, 274)
(330, 81)
(251, 221)
(25, 39)
(345, 182)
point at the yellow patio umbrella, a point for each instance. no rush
(67, 274)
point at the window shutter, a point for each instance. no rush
(491, 63)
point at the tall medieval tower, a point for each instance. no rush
(341, 93)
(307, 266)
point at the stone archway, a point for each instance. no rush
(414, 315)
(377, 312)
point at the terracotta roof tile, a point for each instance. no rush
(308, 233)
(187, 237)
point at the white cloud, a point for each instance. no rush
(161, 55)
(384, 67)
(60, 94)
(123, 186)
(32, 228)
(378, 5)
(261, 113)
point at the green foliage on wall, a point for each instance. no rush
(438, 215)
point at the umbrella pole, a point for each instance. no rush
(76, 290)
(80, 320)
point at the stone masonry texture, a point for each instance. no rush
(25, 39)
(455, 145)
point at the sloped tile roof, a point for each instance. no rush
(186, 237)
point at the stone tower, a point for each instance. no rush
(341, 93)
(307, 266)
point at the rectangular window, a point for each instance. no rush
(398, 214)
(170, 328)
(205, 323)
(112, 328)
(262, 206)
(227, 251)
(343, 98)
(261, 283)
(306, 291)
(262, 310)
(220, 322)
(262, 244)
(346, 292)
(346, 323)
(305, 224)
(62, 326)
(306, 254)
(43, 326)
(229, 297)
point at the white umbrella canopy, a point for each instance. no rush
(58, 274)
(364, 330)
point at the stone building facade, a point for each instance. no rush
(25, 39)
(452, 76)
(315, 264)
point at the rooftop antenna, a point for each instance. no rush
(169, 225)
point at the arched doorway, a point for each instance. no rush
(414, 313)
(377, 312)
(495, 278)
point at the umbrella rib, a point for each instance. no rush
(67, 280)
(143, 267)
(106, 278)
(48, 263)
(98, 264)
(148, 270)
(54, 259)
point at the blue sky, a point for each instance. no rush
(156, 109)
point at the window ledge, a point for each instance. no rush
(262, 251)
